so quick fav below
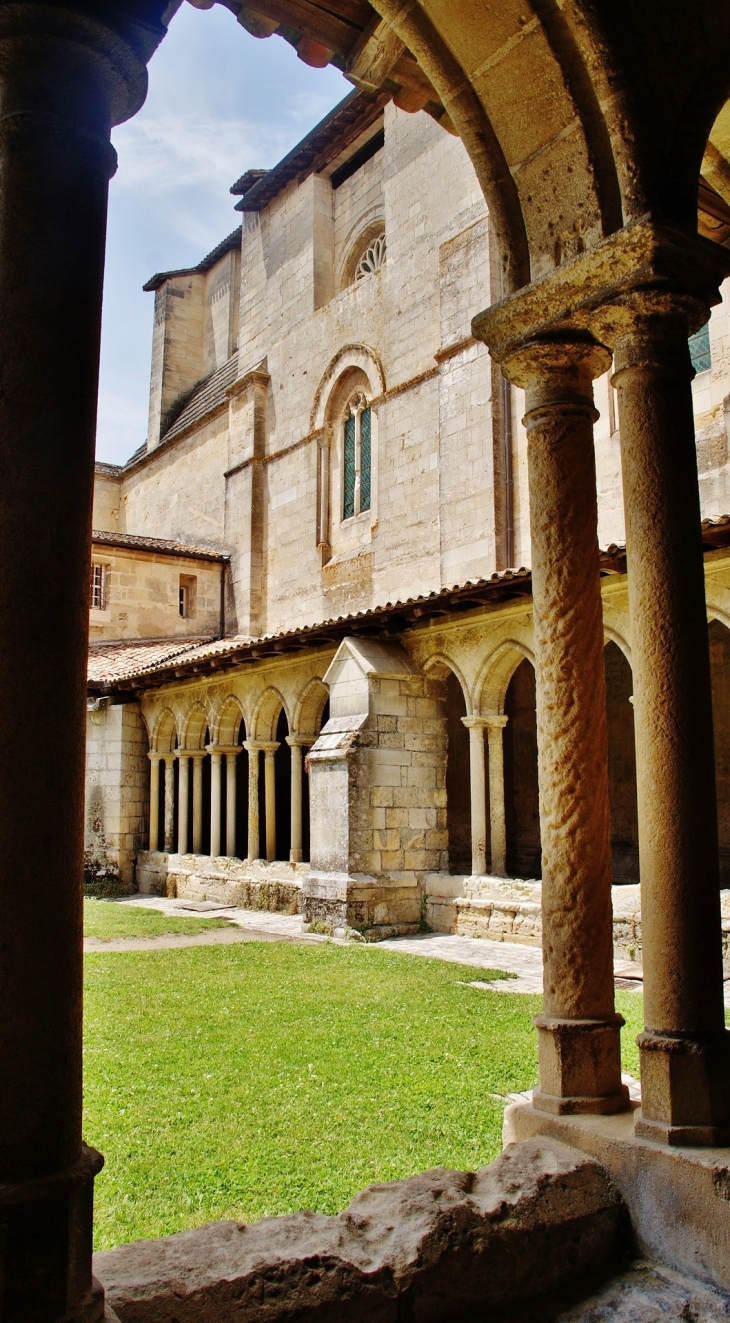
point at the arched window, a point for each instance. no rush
(357, 457)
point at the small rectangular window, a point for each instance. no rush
(97, 591)
(186, 595)
(699, 349)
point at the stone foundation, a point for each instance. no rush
(678, 1198)
(373, 905)
(252, 884)
(540, 1226)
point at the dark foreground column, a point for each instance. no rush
(578, 1033)
(685, 1050)
(64, 79)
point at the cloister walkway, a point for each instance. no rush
(525, 962)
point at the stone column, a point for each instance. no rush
(169, 802)
(198, 801)
(154, 800)
(578, 1033)
(215, 801)
(231, 756)
(269, 747)
(478, 788)
(685, 1061)
(253, 748)
(65, 78)
(297, 743)
(183, 764)
(497, 821)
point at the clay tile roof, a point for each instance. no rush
(112, 662)
(232, 240)
(159, 546)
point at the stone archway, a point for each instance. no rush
(621, 766)
(522, 805)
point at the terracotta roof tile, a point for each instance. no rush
(128, 658)
(159, 546)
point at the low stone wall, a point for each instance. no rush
(376, 907)
(252, 884)
(539, 1227)
(509, 910)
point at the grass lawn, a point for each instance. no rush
(262, 1078)
(105, 919)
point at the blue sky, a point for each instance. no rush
(219, 103)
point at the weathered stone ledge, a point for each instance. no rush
(250, 884)
(540, 1226)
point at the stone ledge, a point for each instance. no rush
(678, 1198)
(250, 884)
(542, 1223)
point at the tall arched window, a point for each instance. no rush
(357, 451)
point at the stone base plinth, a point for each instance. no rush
(252, 884)
(376, 907)
(46, 1228)
(678, 1198)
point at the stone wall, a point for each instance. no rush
(142, 596)
(252, 884)
(117, 794)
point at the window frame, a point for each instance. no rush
(98, 586)
(355, 410)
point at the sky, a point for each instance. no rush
(219, 102)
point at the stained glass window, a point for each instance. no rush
(349, 499)
(699, 349)
(365, 459)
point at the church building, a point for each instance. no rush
(311, 681)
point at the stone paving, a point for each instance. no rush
(646, 1293)
(524, 962)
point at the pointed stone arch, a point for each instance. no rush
(227, 723)
(195, 726)
(496, 672)
(309, 707)
(266, 714)
(164, 738)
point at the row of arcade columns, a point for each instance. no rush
(494, 726)
(182, 840)
(65, 78)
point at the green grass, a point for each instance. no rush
(105, 919)
(262, 1078)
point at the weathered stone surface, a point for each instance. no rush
(648, 1294)
(540, 1221)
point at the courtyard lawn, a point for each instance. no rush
(106, 919)
(262, 1078)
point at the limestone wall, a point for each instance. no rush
(178, 492)
(117, 793)
(142, 596)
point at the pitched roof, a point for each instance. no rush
(158, 546)
(350, 117)
(233, 240)
(112, 662)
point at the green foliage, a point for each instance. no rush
(105, 920)
(255, 1079)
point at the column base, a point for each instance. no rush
(46, 1228)
(685, 1089)
(580, 1067)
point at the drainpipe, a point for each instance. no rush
(509, 529)
(222, 619)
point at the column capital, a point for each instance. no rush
(192, 753)
(474, 723)
(154, 755)
(301, 741)
(644, 256)
(254, 746)
(496, 721)
(114, 56)
(269, 747)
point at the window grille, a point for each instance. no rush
(97, 593)
(699, 349)
(357, 458)
(373, 259)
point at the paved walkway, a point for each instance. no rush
(524, 962)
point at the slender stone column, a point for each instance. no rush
(269, 747)
(183, 764)
(497, 820)
(65, 77)
(155, 759)
(578, 1033)
(297, 743)
(478, 788)
(231, 756)
(169, 802)
(215, 801)
(685, 1056)
(198, 801)
(253, 748)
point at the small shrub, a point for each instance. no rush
(319, 926)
